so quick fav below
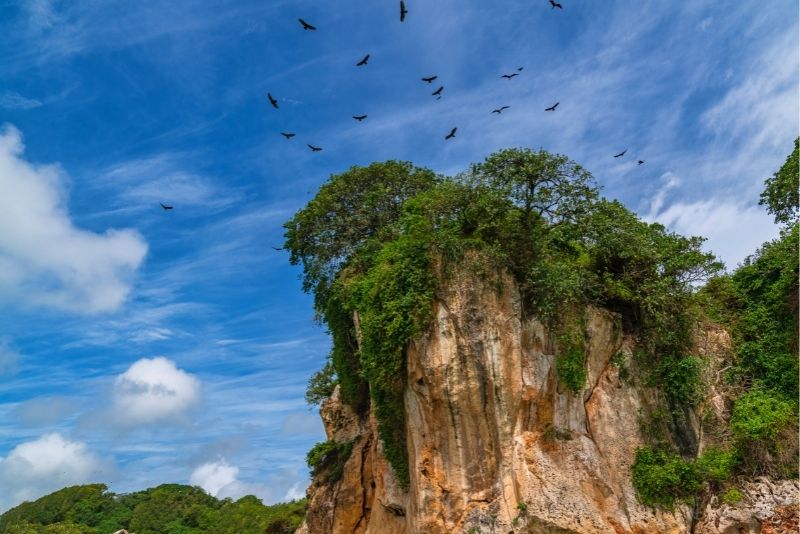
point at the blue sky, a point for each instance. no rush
(139, 347)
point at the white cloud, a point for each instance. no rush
(37, 467)
(734, 229)
(163, 178)
(44, 259)
(153, 390)
(215, 477)
(297, 491)
(15, 101)
(221, 479)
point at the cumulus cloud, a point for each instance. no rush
(35, 468)
(44, 259)
(216, 478)
(153, 390)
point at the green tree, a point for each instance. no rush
(347, 211)
(780, 195)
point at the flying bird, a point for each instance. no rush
(429, 79)
(359, 118)
(277, 248)
(272, 100)
(166, 208)
(306, 25)
(500, 110)
(509, 76)
(363, 61)
(621, 153)
(641, 161)
(403, 11)
(438, 92)
(553, 107)
(452, 134)
(555, 4)
(288, 135)
(519, 69)
(314, 148)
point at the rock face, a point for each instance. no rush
(766, 507)
(495, 443)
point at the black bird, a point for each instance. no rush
(272, 101)
(553, 107)
(555, 4)
(166, 208)
(452, 134)
(519, 69)
(359, 118)
(500, 110)
(403, 11)
(306, 25)
(314, 148)
(277, 248)
(429, 79)
(363, 61)
(288, 135)
(641, 161)
(438, 92)
(621, 153)
(509, 76)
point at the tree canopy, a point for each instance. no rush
(166, 509)
(780, 195)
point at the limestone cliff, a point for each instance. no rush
(495, 444)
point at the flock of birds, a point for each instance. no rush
(428, 79)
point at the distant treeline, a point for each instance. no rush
(166, 509)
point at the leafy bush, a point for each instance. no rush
(680, 379)
(330, 457)
(571, 361)
(716, 464)
(761, 415)
(662, 478)
(732, 497)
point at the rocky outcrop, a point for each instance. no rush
(496, 444)
(765, 507)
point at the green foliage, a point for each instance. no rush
(762, 295)
(321, 384)
(662, 478)
(351, 209)
(166, 509)
(680, 379)
(761, 415)
(717, 465)
(571, 361)
(329, 457)
(781, 192)
(732, 497)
